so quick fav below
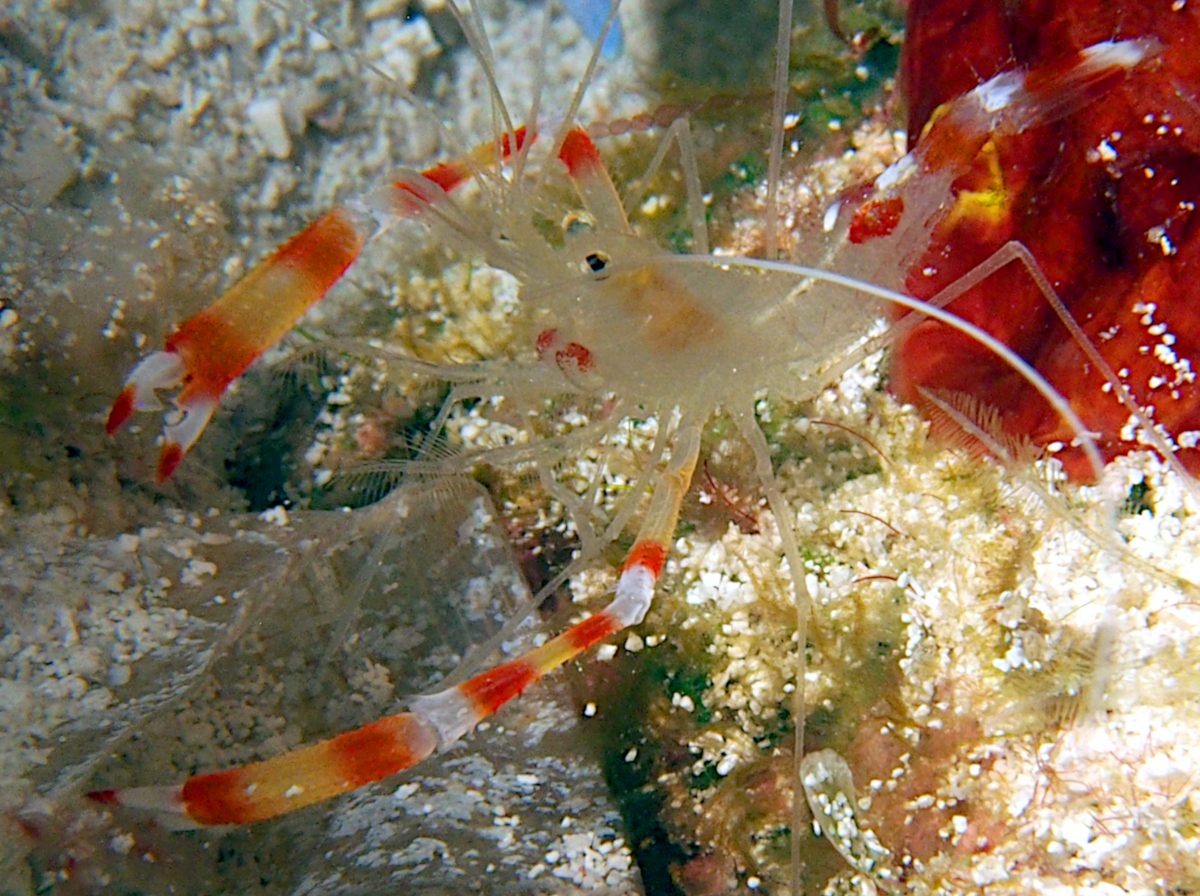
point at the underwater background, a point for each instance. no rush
(1017, 705)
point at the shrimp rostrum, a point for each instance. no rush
(616, 322)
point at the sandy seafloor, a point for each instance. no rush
(1020, 705)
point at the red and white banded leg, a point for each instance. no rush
(212, 349)
(323, 770)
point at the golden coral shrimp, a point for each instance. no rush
(673, 337)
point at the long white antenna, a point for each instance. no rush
(783, 45)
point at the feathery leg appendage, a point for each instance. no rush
(332, 767)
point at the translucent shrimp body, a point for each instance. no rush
(611, 314)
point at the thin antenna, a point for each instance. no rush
(1016, 251)
(1015, 361)
(748, 425)
(783, 43)
(477, 38)
(577, 99)
(531, 122)
(691, 178)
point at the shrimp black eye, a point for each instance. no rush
(597, 263)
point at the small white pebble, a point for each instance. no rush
(266, 117)
(831, 216)
(686, 703)
(277, 515)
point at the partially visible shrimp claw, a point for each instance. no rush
(1010, 103)
(163, 370)
(212, 349)
(160, 370)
